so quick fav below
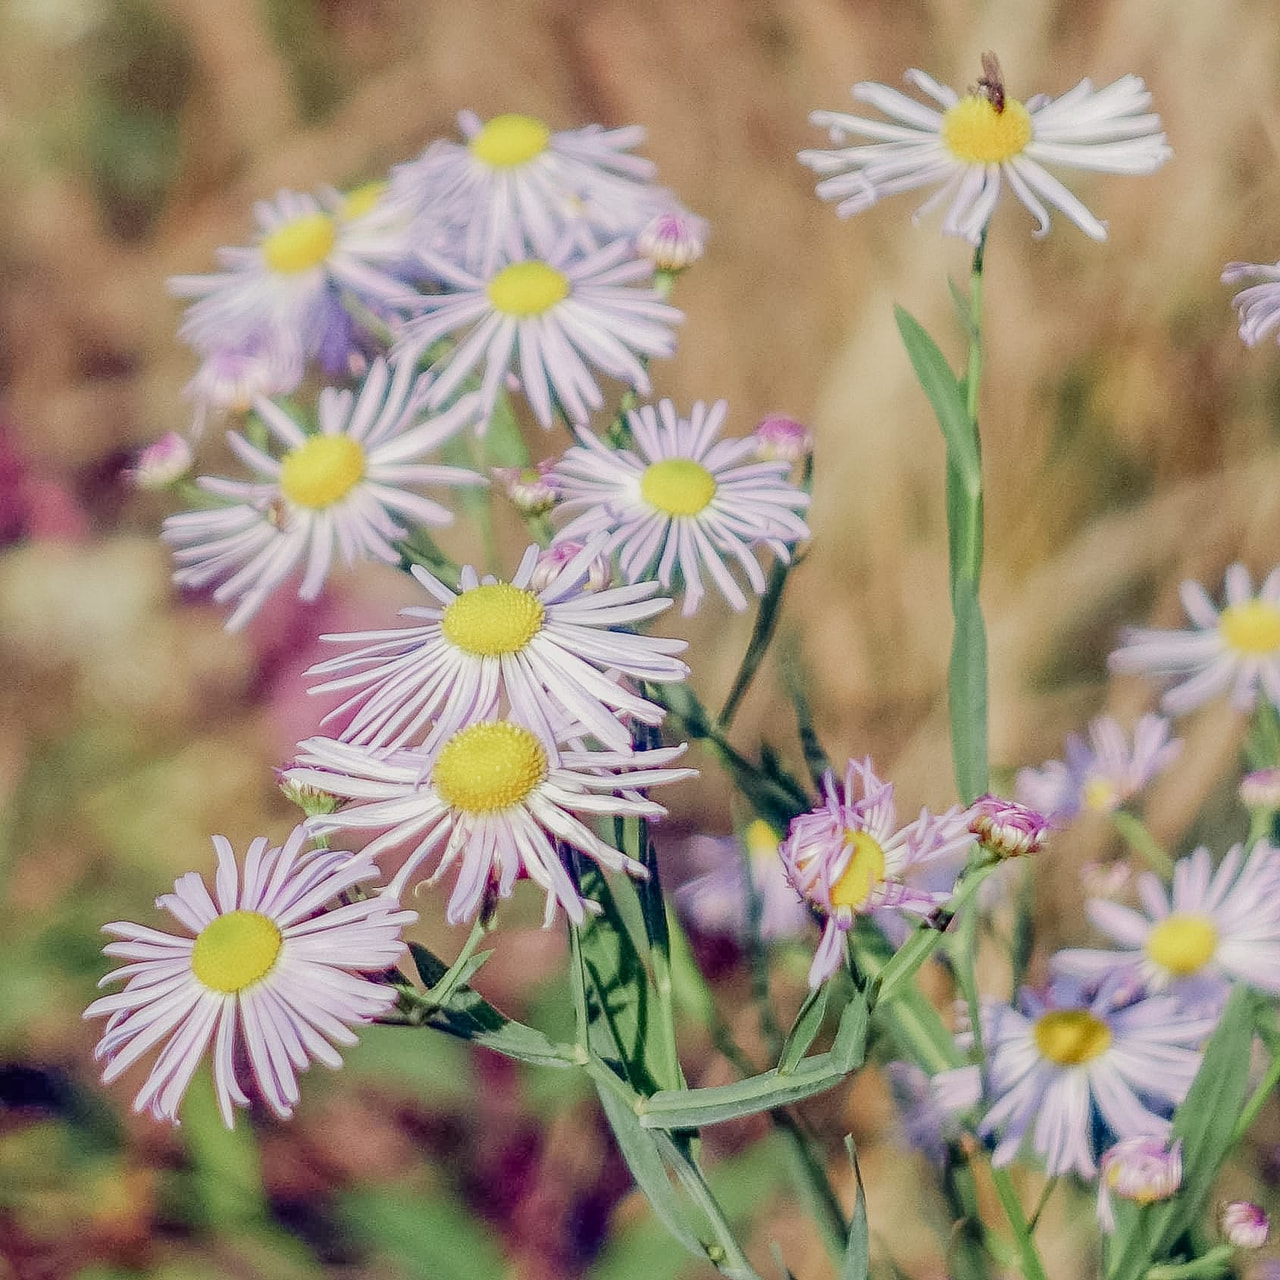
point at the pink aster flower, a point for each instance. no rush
(272, 965)
(849, 857)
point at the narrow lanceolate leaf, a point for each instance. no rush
(946, 396)
(968, 687)
(1206, 1123)
(857, 1252)
(804, 1030)
(694, 1108)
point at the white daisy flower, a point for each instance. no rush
(1102, 774)
(1213, 928)
(543, 652)
(310, 249)
(1237, 648)
(271, 965)
(1259, 304)
(849, 857)
(682, 500)
(516, 186)
(494, 799)
(1057, 1068)
(969, 146)
(345, 488)
(548, 321)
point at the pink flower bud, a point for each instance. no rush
(553, 560)
(1008, 829)
(1141, 1169)
(673, 241)
(783, 439)
(531, 489)
(1261, 789)
(1244, 1225)
(161, 464)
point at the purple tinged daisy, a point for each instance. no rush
(344, 488)
(718, 901)
(968, 146)
(231, 378)
(1101, 775)
(1211, 928)
(1236, 648)
(1141, 1169)
(1259, 304)
(495, 800)
(548, 653)
(271, 964)
(549, 321)
(1057, 1067)
(682, 500)
(516, 186)
(849, 857)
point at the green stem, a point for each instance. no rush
(1142, 842)
(1257, 1099)
(1217, 1262)
(1032, 1267)
(815, 1187)
(440, 993)
(1046, 1191)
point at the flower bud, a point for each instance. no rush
(1261, 789)
(553, 560)
(1244, 1225)
(1141, 1169)
(531, 489)
(1008, 829)
(161, 464)
(673, 240)
(311, 800)
(782, 439)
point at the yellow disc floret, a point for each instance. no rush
(236, 950)
(975, 132)
(864, 872)
(493, 619)
(1183, 944)
(489, 766)
(507, 141)
(527, 289)
(1252, 627)
(302, 243)
(677, 486)
(322, 471)
(361, 200)
(1070, 1037)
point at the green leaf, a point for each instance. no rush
(947, 398)
(968, 689)
(804, 1030)
(857, 1253)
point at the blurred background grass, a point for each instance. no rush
(1130, 440)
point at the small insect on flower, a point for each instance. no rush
(1142, 1169)
(272, 965)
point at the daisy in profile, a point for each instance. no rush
(548, 321)
(515, 185)
(493, 802)
(969, 145)
(1236, 648)
(1059, 1068)
(348, 487)
(1259, 304)
(1212, 928)
(848, 857)
(271, 965)
(682, 500)
(541, 652)
(289, 284)
(1102, 774)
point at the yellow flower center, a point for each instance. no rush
(1100, 794)
(1252, 627)
(235, 950)
(507, 141)
(1071, 1036)
(493, 619)
(321, 471)
(761, 841)
(302, 243)
(864, 872)
(678, 486)
(527, 289)
(975, 132)
(489, 766)
(361, 200)
(1183, 944)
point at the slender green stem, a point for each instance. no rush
(1029, 1255)
(810, 1175)
(1217, 1262)
(1050, 1186)
(1257, 1099)
(1142, 842)
(974, 376)
(440, 993)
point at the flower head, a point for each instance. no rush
(969, 145)
(783, 439)
(162, 463)
(530, 489)
(1259, 304)
(270, 965)
(1212, 927)
(345, 488)
(494, 800)
(681, 500)
(548, 321)
(673, 240)
(1236, 648)
(720, 900)
(1008, 829)
(1141, 1169)
(553, 559)
(1102, 774)
(1244, 1225)
(1260, 789)
(848, 857)
(1057, 1067)
(550, 653)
